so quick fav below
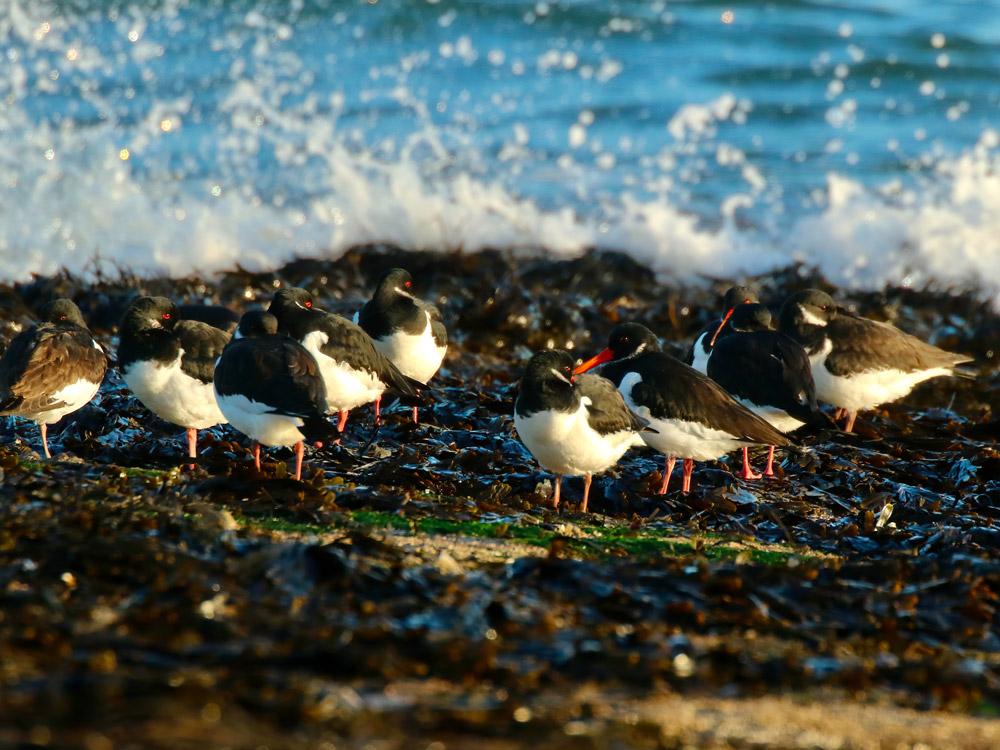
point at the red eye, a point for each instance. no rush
(408, 283)
(62, 317)
(166, 316)
(308, 303)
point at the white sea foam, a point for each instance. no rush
(126, 192)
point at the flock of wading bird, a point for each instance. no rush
(277, 375)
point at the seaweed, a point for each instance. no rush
(424, 588)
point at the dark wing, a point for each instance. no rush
(275, 371)
(16, 360)
(216, 316)
(202, 345)
(796, 370)
(767, 369)
(672, 390)
(42, 361)
(607, 412)
(348, 343)
(373, 321)
(862, 345)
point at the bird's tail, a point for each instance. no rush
(318, 429)
(410, 392)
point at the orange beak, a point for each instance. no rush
(600, 359)
(721, 326)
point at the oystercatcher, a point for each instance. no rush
(694, 418)
(168, 364)
(858, 363)
(572, 426)
(51, 369)
(766, 371)
(354, 371)
(405, 329)
(702, 347)
(269, 388)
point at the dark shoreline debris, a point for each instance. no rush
(143, 604)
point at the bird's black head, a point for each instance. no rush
(291, 301)
(551, 366)
(147, 313)
(394, 282)
(626, 340)
(750, 317)
(805, 311)
(738, 295)
(629, 339)
(256, 324)
(63, 311)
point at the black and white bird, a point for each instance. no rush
(52, 369)
(694, 418)
(697, 357)
(766, 371)
(405, 329)
(572, 425)
(168, 364)
(270, 389)
(354, 371)
(857, 363)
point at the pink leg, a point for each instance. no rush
(256, 454)
(586, 492)
(747, 471)
(378, 411)
(45, 440)
(666, 475)
(341, 424)
(415, 415)
(839, 414)
(770, 461)
(300, 450)
(192, 442)
(555, 495)
(851, 416)
(688, 468)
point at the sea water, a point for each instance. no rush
(707, 139)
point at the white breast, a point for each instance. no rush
(564, 443)
(253, 420)
(346, 387)
(864, 390)
(700, 356)
(677, 437)
(417, 357)
(172, 394)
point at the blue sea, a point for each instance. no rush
(707, 139)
